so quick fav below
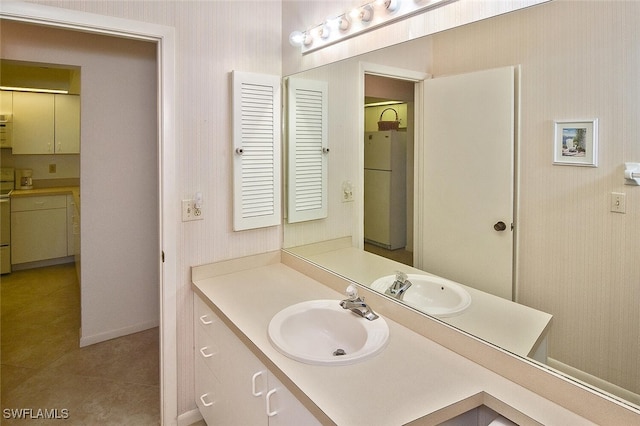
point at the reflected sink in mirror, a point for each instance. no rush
(321, 332)
(430, 294)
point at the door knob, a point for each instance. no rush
(500, 226)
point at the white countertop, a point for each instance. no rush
(413, 378)
(56, 190)
(511, 326)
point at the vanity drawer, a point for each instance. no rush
(209, 393)
(42, 202)
(205, 319)
(208, 350)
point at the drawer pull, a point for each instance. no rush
(270, 413)
(203, 319)
(206, 355)
(254, 389)
(206, 404)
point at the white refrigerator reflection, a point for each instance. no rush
(385, 189)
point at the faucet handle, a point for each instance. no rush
(352, 292)
(401, 276)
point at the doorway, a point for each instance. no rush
(153, 208)
(164, 37)
(389, 134)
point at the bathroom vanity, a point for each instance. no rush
(413, 380)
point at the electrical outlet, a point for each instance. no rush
(347, 191)
(189, 212)
(618, 202)
(52, 168)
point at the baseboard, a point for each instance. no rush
(112, 334)
(43, 263)
(189, 418)
(587, 378)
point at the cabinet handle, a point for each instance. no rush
(254, 390)
(206, 355)
(205, 321)
(270, 413)
(59, 149)
(206, 404)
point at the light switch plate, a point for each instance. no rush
(618, 202)
(189, 212)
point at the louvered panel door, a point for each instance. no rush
(256, 146)
(308, 150)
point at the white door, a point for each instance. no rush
(468, 180)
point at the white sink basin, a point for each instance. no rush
(430, 294)
(318, 331)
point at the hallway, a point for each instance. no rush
(110, 383)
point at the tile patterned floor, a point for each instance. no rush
(42, 367)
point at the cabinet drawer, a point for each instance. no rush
(209, 351)
(209, 394)
(206, 319)
(38, 203)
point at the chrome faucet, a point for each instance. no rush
(356, 304)
(399, 286)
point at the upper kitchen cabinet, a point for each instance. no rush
(67, 124)
(45, 123)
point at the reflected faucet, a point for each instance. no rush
(357, 305)
(399, 286)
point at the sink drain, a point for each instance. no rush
(339, 352)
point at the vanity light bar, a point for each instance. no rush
(359, 20)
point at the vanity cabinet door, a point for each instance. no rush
(285, 407)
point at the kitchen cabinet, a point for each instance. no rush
(45, 123)
(67, 124)
(232, 385)
(6, 119)
(38, 228)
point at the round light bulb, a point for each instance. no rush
(392, 5)
(324, 32)
(344, 23)
(296, 38)
(366, 13)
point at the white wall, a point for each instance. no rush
(119, 195)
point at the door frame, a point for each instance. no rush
(417, 77)
(164, 37)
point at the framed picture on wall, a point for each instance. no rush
(576, 143)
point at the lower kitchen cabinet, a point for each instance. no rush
(38, 228)
(232, 386)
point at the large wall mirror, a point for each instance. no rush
(574, 299)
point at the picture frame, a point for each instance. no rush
(576, 143)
